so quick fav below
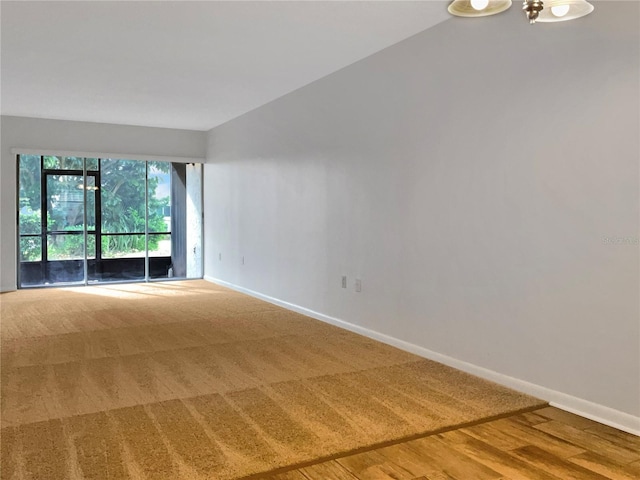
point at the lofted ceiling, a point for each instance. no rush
(187, 65)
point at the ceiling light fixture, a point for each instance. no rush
(562, 10)
(536, 10)
(478, 8)
(532, 8)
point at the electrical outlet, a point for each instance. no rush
(358, 285)
(220, 256)
(344, 281)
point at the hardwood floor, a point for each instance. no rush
(547, 444)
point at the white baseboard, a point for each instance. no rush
(599, 413)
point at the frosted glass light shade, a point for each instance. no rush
(577, 9)
(479, 4)
(463, 8)
(560, 10)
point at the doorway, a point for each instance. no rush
(69, 203)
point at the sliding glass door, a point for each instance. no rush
(67, 241)
(123, 221)
(88, 220)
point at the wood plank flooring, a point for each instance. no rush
(547, 444)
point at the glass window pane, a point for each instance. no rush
(118, 270)
(52, 162)
(159, 183)
(29, 195)
(92, 164)
(123, 246)
(160, 245)
(91, 246)
(66, 246)
(72, 163)
(122, 192)
(160, 256)
(91, 203)
(65, 203)
(30, 249)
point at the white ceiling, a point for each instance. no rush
(189, 65)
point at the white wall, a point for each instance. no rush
(468, 176)
(57, 135)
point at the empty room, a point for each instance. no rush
(334, 240)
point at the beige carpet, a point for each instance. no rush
(188, 380)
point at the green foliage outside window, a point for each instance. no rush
(30, 249)
(70, 247)
(122, 193)
(123, 203)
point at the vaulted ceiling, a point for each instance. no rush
(188, 65)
